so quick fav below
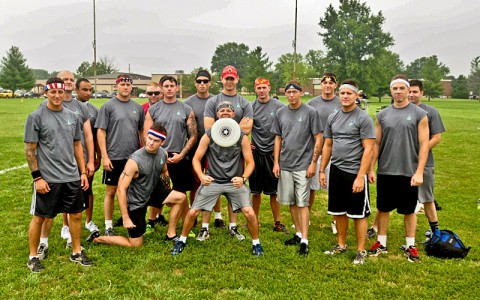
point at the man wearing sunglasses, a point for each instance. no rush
(154, 94)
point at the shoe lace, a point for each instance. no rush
(413, 251)
(376, 246)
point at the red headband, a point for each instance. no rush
(54, 86)
(124, 79)
(262, 81)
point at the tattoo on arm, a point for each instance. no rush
(316, 154)
(31, 156)
(124, 174)
(192, 134)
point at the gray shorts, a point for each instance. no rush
(207, 196)
(425, 191)
(294, 188)
(315, 184)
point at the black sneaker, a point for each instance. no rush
(110, 232)
(178, 248)
(303, 249)
(279, 227)
(173, 239)
(81, 258)
(293, 241)
(34, 265)
(118, 223)
(93, 236)
(219, 223)
(235, 233)
(371, 233)
(377, 249)
(257, 250)
(160, 220)
(412, 254)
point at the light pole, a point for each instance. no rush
(295, 45)
(94, 50)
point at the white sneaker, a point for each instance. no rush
(334, 227)
(65, 233)
(91, 226)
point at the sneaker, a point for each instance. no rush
(293, 241)
(160, 220)
(219, 223)
(303, 249)
(110, 232)
(333, 225)
(173, 239)
(65, 233)
(234, 232)
(428, 236)
(412, 254)
(81, 258)
(178, 248)
(336, 250)
(371, 232)
(35, 265)
(149, 230)
(93, 236)
(257, 250)
(42, 251)
(360, 258)
(90, 226)
(377, 249)
(203, 235)
(279, 227)
(118, 222)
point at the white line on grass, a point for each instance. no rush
(12, 169)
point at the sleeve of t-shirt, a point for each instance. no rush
(437, 124)
(85, 113)
(78, 131)
(31, 130)
(317, 126)
(367, 129)
(210, 108)
(276, 126)
(247, 110)
(102, 118)
(327, 131)
(420, 115)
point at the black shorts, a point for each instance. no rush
(341, 200)
(181, 175)
(64, 197)
(395, 192)
(262, 178)
(159, 194)
(111, 178)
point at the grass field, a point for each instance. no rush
(223, 268)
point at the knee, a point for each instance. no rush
(76, 217)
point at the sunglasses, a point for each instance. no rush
(205, 81)
(153, 93)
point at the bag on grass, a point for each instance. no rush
(446, 244)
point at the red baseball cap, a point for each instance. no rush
(229, 71)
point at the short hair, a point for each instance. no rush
(153, 83)
(168, 78)
(416, 82)
(65, 71)
(293, 82)
(349, 81)
(159, 128)
(330, 75)
(55, 80)
(400, 76)
(79, 81)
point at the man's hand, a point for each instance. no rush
(90, 168)
(371, 177)
(358, 184)
(323, 180)
(237, 182)
(84, 182)
(41, 186)
(176, 158)
(206, 180)
(417, 180)
(127, 223)
(311, 170)
(107, 164)
(276, 170)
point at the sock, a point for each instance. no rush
(434, 225)
(256, 242)
(410, 241)
(232, 225)
(383, 240)
(183, 239)
(151, 223)
(108, 224)
(218, 215)
(299, 234)
(304, 241)
(44, 241)
(205, 225)
(30, 257)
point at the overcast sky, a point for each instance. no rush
(164, 36)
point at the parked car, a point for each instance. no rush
(32, 95)
(142, 95)
(100, 95)
(112, 94)
(6, 94)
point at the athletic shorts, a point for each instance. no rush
(181, 175)
(395, 192)
(64, 197)
(294, 188)
(262, 179)
(341, 200)
(425, 191)
(315, 184)
(111, 178)
(159, 194)
(207, 196)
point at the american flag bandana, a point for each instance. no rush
(54, 86)
(124, 79)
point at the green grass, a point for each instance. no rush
(224, 268)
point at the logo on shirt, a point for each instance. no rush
(134, 111)
(178, 112)
(76, 112)
(300, 119)
(272, 113)
(335, 110)
(238, 105)
(351, 123)
(161, 161)
(70, 122)
(409, 118)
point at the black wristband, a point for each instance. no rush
(36, 174)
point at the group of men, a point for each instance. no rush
(294, 150)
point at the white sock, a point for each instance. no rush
(183, 239)
(299, 234)
(232, 225)
(108, 224)
(205, 225)
(383, 240)
(304, 241)
(410, 241)
(44, 241)
(256, 242)
(218, 215)
(30, 257)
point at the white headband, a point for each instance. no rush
(399, 80)
(348, 86)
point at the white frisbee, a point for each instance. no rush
(225, 132)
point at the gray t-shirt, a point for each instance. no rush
(399, 147)
(348, 129)
(174, 117)
(263, 116)
(243, 108)
(198, 106)
(150, 168)
(54, 132)
(435, 126)
(297, 128)
(224, 163)
(122, 122)
(325, 107)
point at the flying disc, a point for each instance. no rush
(225, 132)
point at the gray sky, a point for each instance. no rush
(164, 36)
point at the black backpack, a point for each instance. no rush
(446, 244)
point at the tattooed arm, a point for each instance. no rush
(192, 139)
(40, 184)
(316, 154)
(129, 173)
